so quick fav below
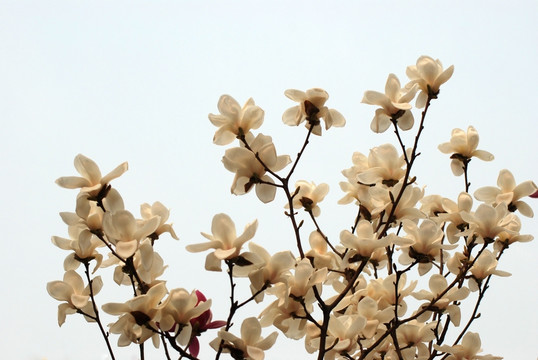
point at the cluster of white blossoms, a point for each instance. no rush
(391, 288)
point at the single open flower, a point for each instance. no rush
(234, 120)
(250, 345)
(91, 179)
(311, 108)
(250, 171)
(76, 296)
(224, 240)
(308, 196)
(429, 75)
(463, 146)
(394, 105)
(509, 193)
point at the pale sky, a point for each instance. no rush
(134, 81)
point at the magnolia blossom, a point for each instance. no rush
(137, 317)
(160, 211)
(429, 75)
(83, 247)
(273, 269)
(76, 296)
(311, 108)
(484, 266)
(383, 291)
(234, 120)
(463, 146)
(250, 171)
(468, 350)
(91, 180)
(487, 221)
(343, 332)
(383, 197)
(90, 213)
(224, 240)
(511, 233)
(308, 196)
(177, 311)
(125, 232)
(319, 252)
(367, 307)
(441, 303)
(426, 246)
(250, 346)
(365, 242)
(200, 324)
(353, 189)
(413, 338)
(394, 105)
(508, 192)
(385, 166)
(452, 213)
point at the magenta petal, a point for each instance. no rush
(215, 324)
(535, 195)
(200, 296)
(194, 347)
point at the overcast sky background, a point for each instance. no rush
(134, 81)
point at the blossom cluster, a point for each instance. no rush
(392, 287)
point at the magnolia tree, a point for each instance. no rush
(360, 298)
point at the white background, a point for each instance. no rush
(134, 81)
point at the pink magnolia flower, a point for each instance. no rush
(200, 324)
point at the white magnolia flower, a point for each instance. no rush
(443, 303)
(484, 266)
(137, 317)
(394, 105)
(157, 209)
(508, 192)
(463, 146)
(249, 171)
(224, 240)
(234, 120)
(468, 350)
(385, 165)
(91, 179)
(429, 75)
(309, 196)
(125, 232)
(311, 108)
(74, 293)
(251, 345)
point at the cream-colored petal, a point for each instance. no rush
(223, 228)
(117, 172)
(87, 168)
(224, 253)
(72, 182)
(338, 119)
(406, 121)
(251, 330)
(126, 249)
(295, 95)
(292, 116)
(228, 106)
(524, 189)
(380, 122)
(444, 76)
(266, 193)
(59, 290)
